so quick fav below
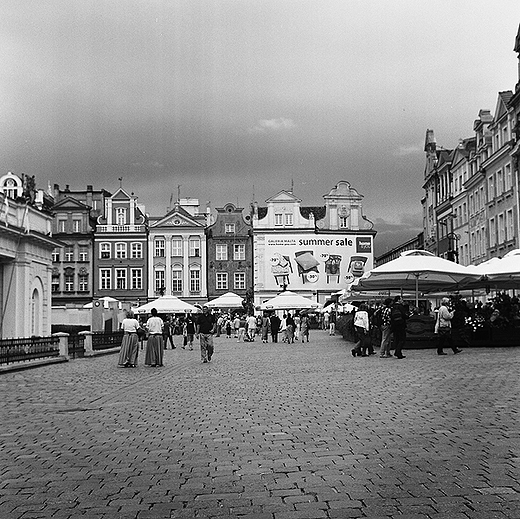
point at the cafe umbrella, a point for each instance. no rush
(289, 301)
(419, 271)
(227, 300)
(167, 305)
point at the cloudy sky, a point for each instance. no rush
(236, 99)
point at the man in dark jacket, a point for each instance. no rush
(275, 327)
(398, 317)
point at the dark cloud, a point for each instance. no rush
(237, 100)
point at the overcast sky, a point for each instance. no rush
(236, 99)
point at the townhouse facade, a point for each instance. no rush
(26, 245)
(177, 253)
(75, 219)
(120, 250)
(230, 252)
(313, 251)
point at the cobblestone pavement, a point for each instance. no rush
(272, 431)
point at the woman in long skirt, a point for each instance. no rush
(154, 345)
(129, 344)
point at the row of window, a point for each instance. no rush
(70, 254)
(121, 250)
(194, 280)
(176, 247)
(118, 279)
(69, 283)
(76, 226)
(222, 281)
(239, 252)
(501, 228)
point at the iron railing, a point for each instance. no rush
(103, 340)
(76, 346)
(25, 349)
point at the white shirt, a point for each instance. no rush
(154, 325)
(130, 325)
(361, 319)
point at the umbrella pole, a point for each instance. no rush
(416, 291)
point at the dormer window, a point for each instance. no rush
(278, 219)
(120, 216)
(288, 219)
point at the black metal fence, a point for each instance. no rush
(103, 340)
(76, 346)
(25, 349)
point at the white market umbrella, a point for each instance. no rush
(167, 305)
(228, 300)
(503, 273)
(417, 270)
(289, 301)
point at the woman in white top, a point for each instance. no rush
(154, 344)
(362, 327)
(129, 344)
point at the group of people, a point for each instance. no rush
(288, 328)
(387, 324)
(159, 334)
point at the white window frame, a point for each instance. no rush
(83, 253)
(68, 282)
(221, 280)
(177, 247)
(121, 279)
(83, 283)
(104, 250)
(159, 248)
(76, 225)
(278, 219)
(137, 250)
(121, 249)
(159, 279)
(229, 228)
(195, 280)
(177, 280)
(120, 215)
(136, 279)
(239, 281)
(69, 254)
(194, 247)
(221, 252)
(239, 252)
(288, 220)
(56, 255)
(105, 279)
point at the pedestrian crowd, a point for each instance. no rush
(382, 328)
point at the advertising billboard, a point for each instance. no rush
(324, 262)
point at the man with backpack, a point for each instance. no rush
(398, 317)
(386, 332)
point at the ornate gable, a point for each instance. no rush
(178, 218)
(283, 197)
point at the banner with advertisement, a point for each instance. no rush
(312, 262)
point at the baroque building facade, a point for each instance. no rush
(313, 251)
(177, 253)
(26, 245)
(120, 250)
(230, 252)
(75, 218)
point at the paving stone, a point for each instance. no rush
(274, 431)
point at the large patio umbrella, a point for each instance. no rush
(167, 305)
(228, 300)
(417, 270)
(289, 301)
(502, 273)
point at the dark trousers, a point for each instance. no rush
(399, 333)
(274, 336)
(445, 340)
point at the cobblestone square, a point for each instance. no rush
(274, 431)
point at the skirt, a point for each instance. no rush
(129, 350)
(154, 351)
